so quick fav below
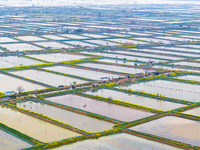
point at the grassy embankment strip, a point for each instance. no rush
(83, 112)
(75, 139)
(46, 118)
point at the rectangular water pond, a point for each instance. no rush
(192, 64)
(121, 141)
(58, 57)
(100, 107)
(74, 119)
(102, 42)
(119, 62)
(124, 56)
(190, 77)
(10, 142)
(35, 128)
(135, 99)
(113, 68)
(195, 112)
(184, 91)
(175, 68)
(149, 55)
(94, 75)
(55, 45)
(48, 78)
(20, 47)
(11, 61)
(174, 128)
(8, 83)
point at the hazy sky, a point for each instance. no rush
(99, 2)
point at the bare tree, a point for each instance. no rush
(20, 89)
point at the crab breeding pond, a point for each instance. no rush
(94, 75)
(135, 99)
(58, 57)
(33, 127)
(8, 83)
(183, 91)
(113, 68)
(100, 107)
(173, 128)
(10, 142)
(17, 61)
(120, 141)
(48, 78)
(74, 119)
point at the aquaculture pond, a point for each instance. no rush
(183, 91)
(169, 53)
(94, 75)
(124, 56)
(55, 45)
(100, 107)
(7, 39)
(48, 78)
(195, 112)
(8, 83)
(58, 57)
(113, 68)
(127, 40)
(149, 55)
(121, 141)
(33, 127)
(95, 35)
(74, 119)
(190, 77)
(102, 42)
(20, 47)
(54, 37)
(30, 38)
(179, 49)
(135, 99)
(11, 61)
(193, 64)
(154, 40)
(175, 68)
(11, 142)
(116, 61)
(76, 43)
(73, 36)
(174, 128)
